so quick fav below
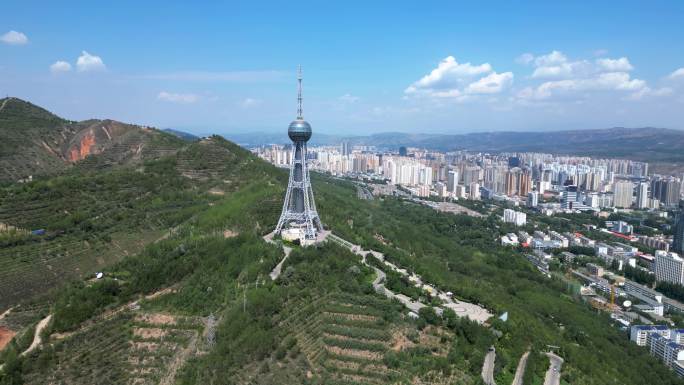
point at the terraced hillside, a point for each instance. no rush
(35, 142)
(91, 217)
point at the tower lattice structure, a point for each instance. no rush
(299, 207)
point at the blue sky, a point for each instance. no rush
(371, 66)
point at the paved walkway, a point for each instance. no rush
(461, 308)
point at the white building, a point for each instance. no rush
(642, 201)
(622, 194)
(669, 267)
(532, 199)
(516, 217)
(639, 333)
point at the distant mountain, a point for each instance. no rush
(253, 139)
(645, 144)
(182, 134)
(34, 141)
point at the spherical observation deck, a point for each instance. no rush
(299, 131)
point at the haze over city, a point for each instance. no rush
(440, 67)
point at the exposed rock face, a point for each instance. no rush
(35, 142)
(84, 148)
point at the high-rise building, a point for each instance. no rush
(524, 183)
(642, 196)
(532, 199)
(452, 180)
(678, 240)
(666, 190)
(346, 148)
(516, 217)
(622, 194)
(474, 190)
(669, 267)
(403, 151)
(299, 215)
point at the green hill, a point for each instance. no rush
(186, 296)
(35, 142)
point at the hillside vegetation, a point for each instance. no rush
(186, 296)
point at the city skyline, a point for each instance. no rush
(403, 68)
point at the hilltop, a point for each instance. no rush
(36, 142)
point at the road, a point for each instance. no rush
(520, 371)
(488, 367)
(554, 372)
(37, 339)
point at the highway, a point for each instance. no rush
(488, 367)
(554, 372)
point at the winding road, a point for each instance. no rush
(488, 367)
(554, 371)
(520, 371)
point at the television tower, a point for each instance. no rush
(299, 208)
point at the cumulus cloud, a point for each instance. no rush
(455, 80)
(14, 38)
(621, 64)
(87, 62)
(568, 78)
(647, 91)
(177, 98)
(677, 74)
(60, 66)
(525, 59)
(490, 84)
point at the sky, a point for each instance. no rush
(369, 66)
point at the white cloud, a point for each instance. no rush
(647, 91)
(490, 84)
(677, 74)
(348, 98)
(611, 81)
(575, 78)
(60, 66)
(449, 72)
(525, 59)
(249, 103)
(177, 98)
(14, 38)
(459, 81)
(88, 62)
(621, 64)
(550, 59)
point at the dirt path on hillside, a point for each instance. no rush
(37, 339)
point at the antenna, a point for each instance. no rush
(299, 94)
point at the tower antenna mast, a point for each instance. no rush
(299, 94)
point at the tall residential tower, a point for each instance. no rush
(299, 216)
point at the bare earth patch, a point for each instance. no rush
(149, 332)
(230, 233)
(353, 317)
(400, 341)
(367, 354)
(156, 319)
(6, 336)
